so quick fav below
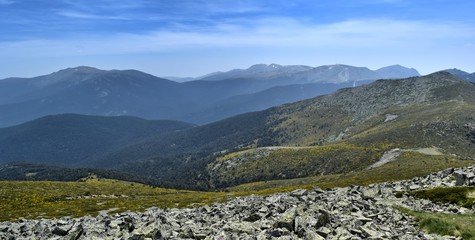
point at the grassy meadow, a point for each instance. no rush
(48, 199)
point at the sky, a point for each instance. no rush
(190, 38)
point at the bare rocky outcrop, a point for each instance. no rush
(355, 212)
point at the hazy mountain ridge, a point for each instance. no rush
(257, 71)
(69, 139)
(273, 96)
(25, 89)
(433, 110)
(461, 74)
(336, 73)
(90, 91)
(86, 90)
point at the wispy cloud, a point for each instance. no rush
(82, 15)
(135, 10)
(383, 1)
(6, 2)
(274, 32)
(338, 30)
(221, 6)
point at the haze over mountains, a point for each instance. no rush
(337, 133)
(462, 74)
(305, 74)
(90, 91)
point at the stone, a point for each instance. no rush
(252, 218)
(460, 178)
(4, 227)
(137, 237)
(75, 232)
(364, 219)
(323, 219)
(62, 230)
(342, 233)
(310, 234)
(356, 212)
(286, 220)
(356, 232)
(368, 233)
(298, 192)
(241, 227)
(369, 193)
(324, 231)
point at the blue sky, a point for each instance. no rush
(195, 37)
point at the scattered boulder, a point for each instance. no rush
(354, 212)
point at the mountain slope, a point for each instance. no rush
(264, 99)
(353, 128)
(68, 139)
(461, 74)
(90, 91)
(346, 131)
(430, 111)
(337, 133)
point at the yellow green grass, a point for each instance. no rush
(47, 199)
(293, 162)
(459, 225)
(408, 165)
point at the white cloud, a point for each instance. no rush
(372, 33)
(363, 42)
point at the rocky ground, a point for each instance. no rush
(342, 213)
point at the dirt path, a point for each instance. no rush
(393, 154)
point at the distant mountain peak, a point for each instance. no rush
(265, 67)
(72, 75)
(334, 73)
(81, 69)
(461, 74)
(256, 71)
(456, 72)
(397, 71)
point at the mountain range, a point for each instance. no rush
(342, 132)
(90, 91)
(462, 74)
(305, 74)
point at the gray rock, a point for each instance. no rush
(286, 219)
(324, 231)
(62, 230)
(311, 234)
(298, 192)
(369, 233)
(240, 227)
(323, 218)
(355, 212)
(75, 232)
(369, 193)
